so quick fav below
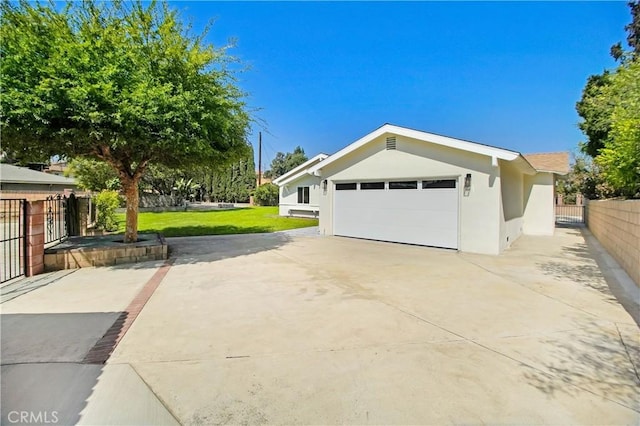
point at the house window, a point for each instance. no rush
(303, 195)
(410, 184)
(346, 186)
(371, 185)
(431, 184)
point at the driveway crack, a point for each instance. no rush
(510, 278)
(162, 402)
(509, 356)
(626, 349)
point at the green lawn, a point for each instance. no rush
(249, 220)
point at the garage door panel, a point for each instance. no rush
(424, 217)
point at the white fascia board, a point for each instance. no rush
(295, 172)
(290, 179)
(489, 151)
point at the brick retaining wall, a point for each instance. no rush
(35, 238)
(616, 224)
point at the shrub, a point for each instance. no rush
(106, 203)
(266, 195)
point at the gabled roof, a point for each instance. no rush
(491, 151)
(15, 174)
(299, 171)
(553, 162)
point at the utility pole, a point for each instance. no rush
(259, 158)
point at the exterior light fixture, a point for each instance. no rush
(324, 185)
(467, 184)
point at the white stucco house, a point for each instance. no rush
(408, 186)
(300, 190)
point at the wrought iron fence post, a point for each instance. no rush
(13, 238)
(55, 220)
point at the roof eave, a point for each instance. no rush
(555, 172)
(281, 180)
(294, 177)
(34, 182)
(493, 152)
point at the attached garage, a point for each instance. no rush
(408, 186)
(415, 211)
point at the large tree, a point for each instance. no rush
(125, 83)
(282, 163)
(610, 112)
(596, 114)
(235, 182)
(619, 158)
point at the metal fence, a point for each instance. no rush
(13, 238)
(55, 219)
(569, 214)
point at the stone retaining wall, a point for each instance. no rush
(105, 251)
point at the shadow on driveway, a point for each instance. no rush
(598, 359)
(206, 249)
(25, 285)
(45, 375)
(581, 270)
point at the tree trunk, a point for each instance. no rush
(130, 187)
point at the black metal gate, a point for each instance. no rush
(569, 214)
(13, 238)
(55, 219)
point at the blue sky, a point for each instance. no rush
(323, 74)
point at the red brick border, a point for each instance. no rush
(102, 350)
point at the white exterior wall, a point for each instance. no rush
(289, 196)
(511, 204)
(539, 214)
(479, 215)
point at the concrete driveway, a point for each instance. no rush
(292, 329)
(273, 329)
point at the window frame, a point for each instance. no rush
(439, 184)
(364, 188)
(303, 195)
(410, 187)
(347, 186)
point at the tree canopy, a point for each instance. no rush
(228, 182)
(610, 112)
(619, 158)
(596, 115)
(584, 178)
(122, 82)
(93, 175)
(282, 163)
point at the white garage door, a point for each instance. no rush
(423, 212)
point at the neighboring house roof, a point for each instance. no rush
(491, 151)
(554, 162)
(301, 170)
(15, 174)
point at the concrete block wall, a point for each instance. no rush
(616, 225)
